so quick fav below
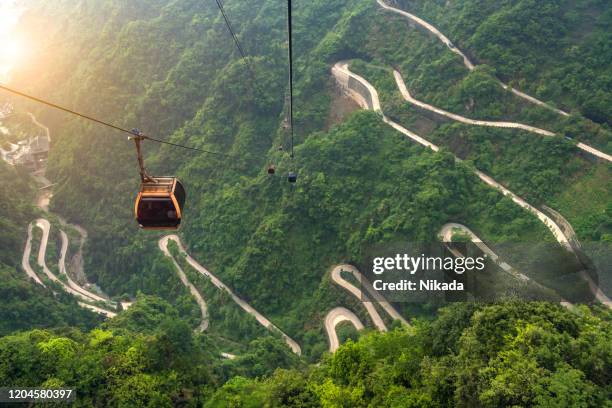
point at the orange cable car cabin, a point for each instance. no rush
(159, 204)
(160, 201)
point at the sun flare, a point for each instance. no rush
(10, 50)
(11, 46)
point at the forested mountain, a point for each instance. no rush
(24, 305)
(513, 354)
(547, 357)
(557, 50)
(170, 68)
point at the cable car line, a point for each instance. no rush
(107, 124)
(239, 46)
(231, 30)
(161, 200)
(292, 176)
(290, 51)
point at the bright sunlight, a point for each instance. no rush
(11, 47)
(10, 50)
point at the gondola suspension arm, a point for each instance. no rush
(138, 137)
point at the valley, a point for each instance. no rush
(429, 129)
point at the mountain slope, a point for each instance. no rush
(557, 50)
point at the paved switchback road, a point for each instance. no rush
(25, 260)
(42, 201)
(163, 245)
(466, 61)
(374, 295)
(98, 310)
(408, 97)
(355, 291)
(509, 125)
(335, 317)
(40, 125)
(446, 235)
(45, 226)
(344, 76)
(295, 347)
(340, 314)
(71, 283)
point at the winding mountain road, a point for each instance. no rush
(446, 235)
(42, 201)
(355, 291)
(509, 125)
(98, 310)
(348, 80)
(25, 260)
(40, 125)
(205, 321)
(78, 292)
(373, 293)
(594, 151)
(596, 290)
(340, 314)
(408, 97)
(71, 283)
(295, 347)
(466, 61)
(335, 317)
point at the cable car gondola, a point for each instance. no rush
(159, 204)
(160, 201)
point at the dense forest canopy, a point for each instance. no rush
(558, 50)
(511, 354)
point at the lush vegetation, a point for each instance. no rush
(147, 357)
(24, 305)
(539, 169)
(557, 50)
(436, 75)
(546, 356)
(16, 211)
(170, 68)
(506, 354)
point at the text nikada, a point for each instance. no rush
(431, 285)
